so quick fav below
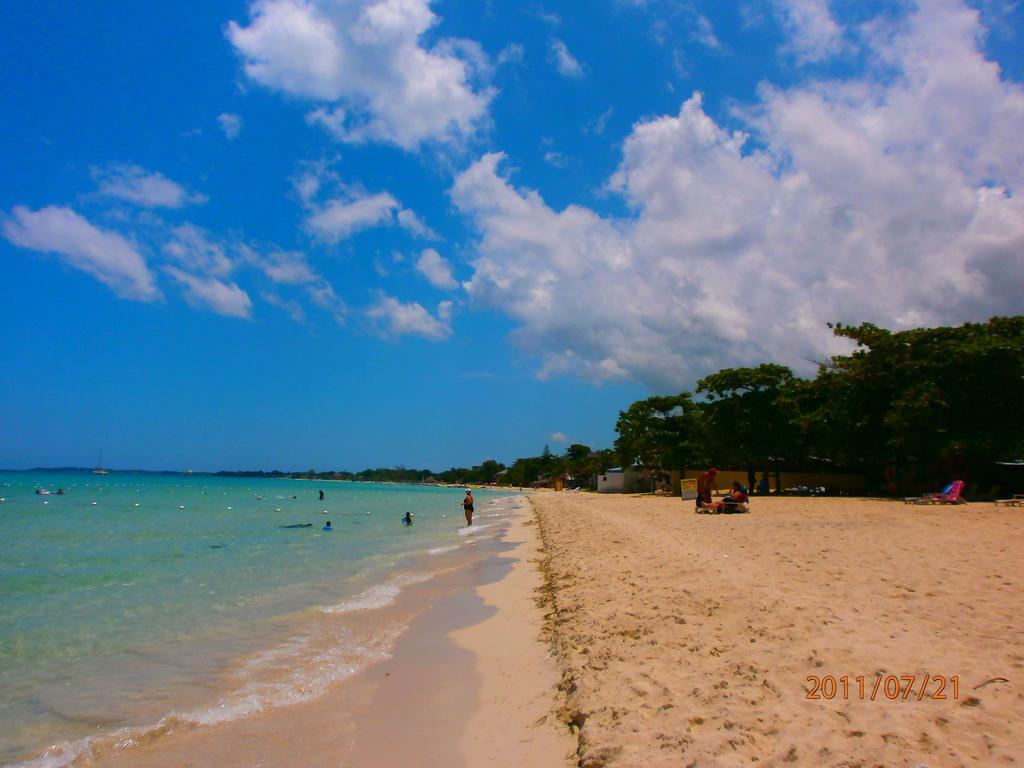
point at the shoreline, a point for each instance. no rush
(465, 681)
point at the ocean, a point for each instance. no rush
(134, 603)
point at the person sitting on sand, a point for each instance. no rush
(704, 485)
(737, 495)
(467, 506)
(731, 503)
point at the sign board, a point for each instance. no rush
(689, 489)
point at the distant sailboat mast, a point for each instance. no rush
(99, 464)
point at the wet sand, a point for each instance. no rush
(688, 640)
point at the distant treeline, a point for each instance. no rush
(905, 409)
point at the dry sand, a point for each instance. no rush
(687, 640)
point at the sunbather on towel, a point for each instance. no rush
(737, 495)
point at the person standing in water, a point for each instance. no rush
(467, 506)
(321, 495)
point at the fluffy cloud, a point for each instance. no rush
(193, 249)
(399, 319)
(436, 269)
(291, 268)
(231, 124)
(894, 201)
(365, 58)
(814, 34)
(219, 296)
(338, 219)
(138, 186)
(107, 256)
(564, 61)
(558, 437)
(410, 222)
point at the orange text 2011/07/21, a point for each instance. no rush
(884, 687)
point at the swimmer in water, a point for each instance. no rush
(408, 518)
(321, 495)
(327, 526)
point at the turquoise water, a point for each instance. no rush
(130, 594)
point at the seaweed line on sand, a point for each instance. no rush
(569, 710)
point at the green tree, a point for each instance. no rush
(935, 401)
(660, 433)
(749, 417)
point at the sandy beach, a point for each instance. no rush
(688, 640)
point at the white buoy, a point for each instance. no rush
(324, 512)
(229, 507)
(181, 506)
(136, 503)
(46, 502)
(94, 503)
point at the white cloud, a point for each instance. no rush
(513, 53)
(293, 308)
(897, 203)
(289, 267)
(112, 259)
(558, 437)
(210, 293)
(564, 61)
(138, 186)
(399, 319)
(322, 294)
(409, 221)
(555, 159)
(365, 58)
(704, 32)
(599, 126)
(436, 269)
(193, 249)
(814, 33)
(338, 219)
(231, 124)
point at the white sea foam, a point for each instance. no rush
(305, 682)
(442, 550)
(377, 596)
(472, 530)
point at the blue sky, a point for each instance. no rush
(344, 233)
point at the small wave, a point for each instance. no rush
(309, 682)
(442, 550)
(471, 530)
(377, 596)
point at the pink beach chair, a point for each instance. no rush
(949, 495)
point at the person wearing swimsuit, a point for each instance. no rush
(467, 507)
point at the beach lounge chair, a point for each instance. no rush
(949, 495)
(1016, 501)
